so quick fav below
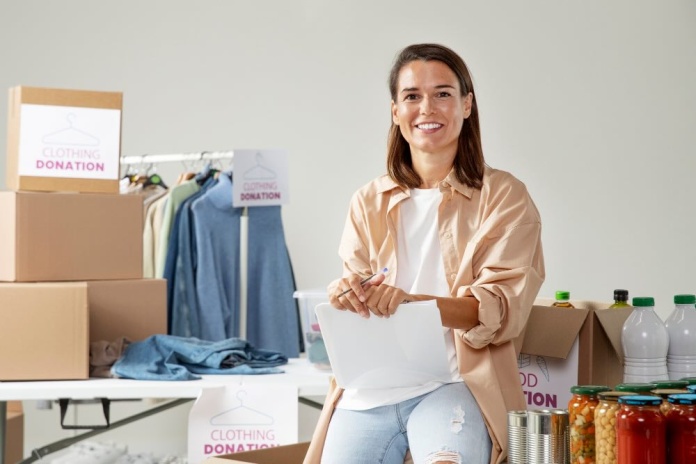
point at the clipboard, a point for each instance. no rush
(405, 350)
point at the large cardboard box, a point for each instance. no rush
(48, 237)
(63, 140)
(563, 347)
(47, 327)
(288, 454)
(14, 432)
(44, 333)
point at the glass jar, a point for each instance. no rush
(640, 431)
(581, 408)
(681, 429)
(605, 426)
(665, 393)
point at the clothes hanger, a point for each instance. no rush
(154, 178)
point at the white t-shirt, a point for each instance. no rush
(420, 271)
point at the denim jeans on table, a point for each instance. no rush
(167, 357)
(443, 425)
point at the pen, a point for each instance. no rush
(364, 281)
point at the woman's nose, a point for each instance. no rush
(426, 106)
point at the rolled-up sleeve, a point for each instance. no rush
(508, 270)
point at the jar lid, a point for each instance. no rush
(670, 383)
(613, 396)
(683, 398)
(640, 400)
(689, 380)
(589, 389)
(685, 299)
(664, 393)
(635, 387)
(691, 388)
(562, 295)
(643, 301)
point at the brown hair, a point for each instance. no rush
(468, 162)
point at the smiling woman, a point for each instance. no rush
(449, 229)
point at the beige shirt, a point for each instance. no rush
(491, 246)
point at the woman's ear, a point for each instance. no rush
(467, 103)
(395, 113)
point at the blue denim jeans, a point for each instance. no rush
(444, 425)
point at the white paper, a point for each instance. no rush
(406, 349)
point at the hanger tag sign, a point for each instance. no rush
(69, 142)
(260, 178)
(234, 418)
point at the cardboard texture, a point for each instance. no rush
(135, 309)
(47, 327)
(44, 333)
(563, 347)
(70, 237)
(288, 454)
(84, 146)
(14, 432)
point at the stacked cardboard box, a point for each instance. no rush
(70, 245)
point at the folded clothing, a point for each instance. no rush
(169, 357)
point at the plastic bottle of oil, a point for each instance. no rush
(620, 299)
(562, 298)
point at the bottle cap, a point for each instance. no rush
(640, 400)
(643, 301)
(635, 387)
(620, 295)
(589, 389)
(562, 295)
(685, 299)
(682, 398)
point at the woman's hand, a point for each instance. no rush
(372, 296)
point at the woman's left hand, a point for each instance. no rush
(385, 299)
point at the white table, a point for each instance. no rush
(299, 373)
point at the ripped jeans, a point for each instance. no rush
(444, 425)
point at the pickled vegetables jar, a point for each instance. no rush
(581, 410)
(605, 426)
(640, 431)
(681, 429)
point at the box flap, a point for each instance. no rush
(612, 321)
(288, 454)
(551, 331)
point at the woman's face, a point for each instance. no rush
(429, 108)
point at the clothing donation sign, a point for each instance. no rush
(260, 178)
(67, 141)
(234, 418)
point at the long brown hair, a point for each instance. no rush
(468, 162)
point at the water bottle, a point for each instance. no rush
(645, 343)
(681, 326)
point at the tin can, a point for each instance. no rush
(548, 437)
(517, 437)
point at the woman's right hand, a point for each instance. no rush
(356, 296)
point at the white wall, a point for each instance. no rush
(592, 104)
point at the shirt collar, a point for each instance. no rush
(385, 184)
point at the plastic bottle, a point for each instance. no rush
(645, 343)
(620, 299)
(681, 326)
(562, 300)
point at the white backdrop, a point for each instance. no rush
(590, 103)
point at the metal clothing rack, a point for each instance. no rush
(244, 220)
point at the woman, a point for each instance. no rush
(448, 228)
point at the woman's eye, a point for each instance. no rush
(444, 94)
(410, 96)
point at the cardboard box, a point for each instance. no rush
(14, 432)
(70, 237)
(134, 309)
(44, 333)
(563, 347)
(288, 454)
(47, 327)
(63, 140)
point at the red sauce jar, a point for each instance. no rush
(681, 429)
(641, 431)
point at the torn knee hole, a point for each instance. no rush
(443, 457)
